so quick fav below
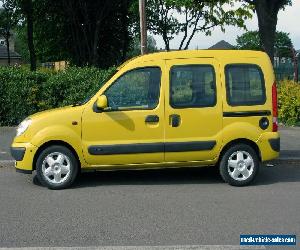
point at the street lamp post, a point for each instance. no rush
(143, 27)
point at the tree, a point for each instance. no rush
(7, 23)
(136, 46)
(249, 40)
(267, 12)
(82, 31)
(195, 16)
(282, 44)
(21, 45)
(26, 8)
(23, 11)
(96, 31)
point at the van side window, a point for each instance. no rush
(244, 85)
(192, 86)
(136, 89)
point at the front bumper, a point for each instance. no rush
(24, 155)
(17, 153)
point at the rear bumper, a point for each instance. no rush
(275, 144)
(23, 154)
(269, 146)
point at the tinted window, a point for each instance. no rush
(136, 89)
(192, 86)
(245, 85)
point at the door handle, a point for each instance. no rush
(175, 120)
(152, 118)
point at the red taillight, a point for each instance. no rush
(274, 107)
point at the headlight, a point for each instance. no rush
(23, 126)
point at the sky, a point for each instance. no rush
(288, 21)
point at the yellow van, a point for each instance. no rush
(168, 109)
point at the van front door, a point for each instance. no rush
(193, 110)
(130, 130)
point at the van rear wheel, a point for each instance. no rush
(239, 165)
(56, 167)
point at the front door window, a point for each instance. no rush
(136, 89)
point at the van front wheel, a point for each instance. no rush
(56, 167)
(239, 165)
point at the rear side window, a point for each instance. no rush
(245, 85)
(192, 86)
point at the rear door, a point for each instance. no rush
(193, 111)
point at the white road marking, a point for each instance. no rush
(183, 247)
(3, 152)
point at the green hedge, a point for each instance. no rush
(289, 102)
(23, 92)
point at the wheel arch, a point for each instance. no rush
(51, 143)
(248, 142)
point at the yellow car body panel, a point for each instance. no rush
(27, 163)
(123, 127)
(54, 126)
(267, 153)
(80, 127)
(197, 123)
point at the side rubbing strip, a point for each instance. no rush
(189, 146)
(247, 113)
(126, 148)
(151, 147)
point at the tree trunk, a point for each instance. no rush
(7, 48)
(295, 60)
(125, 24)
(166, 39)
(267, 22)
(167, 44)
(28, 9)
(95, 55)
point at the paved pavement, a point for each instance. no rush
(148, 208)
(290, 143)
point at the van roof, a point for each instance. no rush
(182, 54)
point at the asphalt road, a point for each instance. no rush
(144, 208)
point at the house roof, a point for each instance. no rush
(3, 53)
(222, 45)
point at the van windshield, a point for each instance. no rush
(102, 82)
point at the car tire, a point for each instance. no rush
(56, 167)
(239, 165)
